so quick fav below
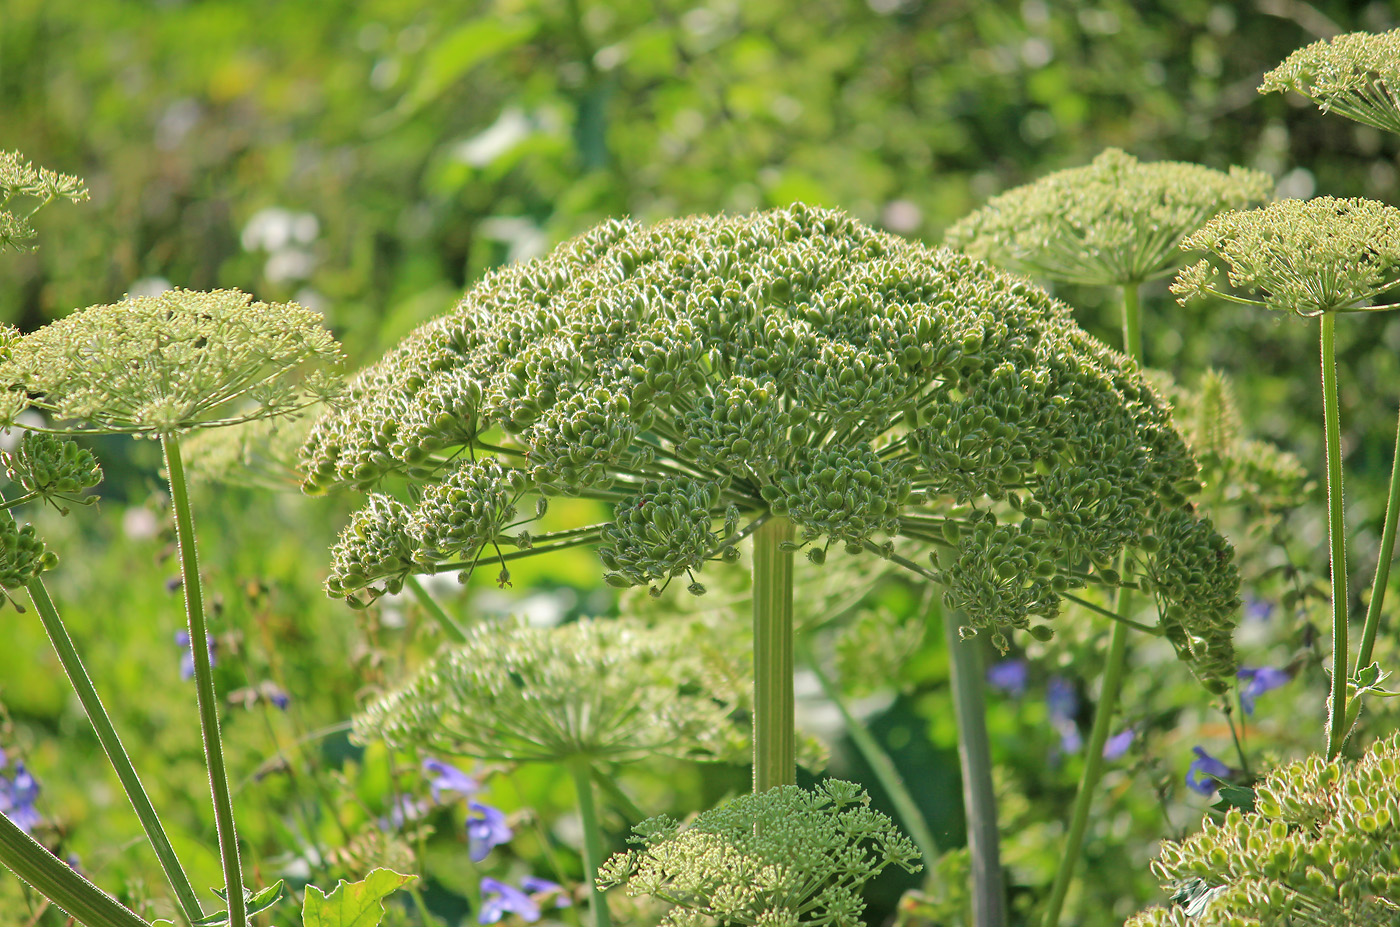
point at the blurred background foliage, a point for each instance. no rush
(371, 159)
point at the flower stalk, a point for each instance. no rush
(1387, 553)
(115, 750)
(57, 881)
(204, 685)
(581, 770)
(1336, 535)
(774, 737)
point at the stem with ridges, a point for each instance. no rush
(1336, 535)
(975, 758)
(115, 750)
(886, 773)
(1392, 516)
(1093, 766)
(449, 627)
(1112, 678)
(58, 882)
(204, 685)
(774, 721)
(582, 771)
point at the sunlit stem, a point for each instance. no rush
(884, 768)
(582, 771)
(975, 759)
(1093, 765)
(115, 750)
(1336, 535)
(59, 882)
(450, 628)
(1387, 552)
(774, 722)
(204, 685)
(1112, 680)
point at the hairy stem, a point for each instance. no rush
(975, 758)
(116, 751)
(450, 628)
(1112, 679)
(1392, 516)
(582, 771)
(204, 685)
(58, 882)
(1336, 535)
(774, 721)
(1093, 766)
(883, 766)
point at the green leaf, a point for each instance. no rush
(1235, 796)
(458, 53)
(352, 904)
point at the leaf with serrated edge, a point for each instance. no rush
(352, 904)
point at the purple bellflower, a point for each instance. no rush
(1009, 676)
(182, 639)
(1063, 704)
(448, 778)
(1205, 772)
(486, 828)
(498, 899)
(1118, 744)
(17, 797)
(1259, 680)
(537, 886)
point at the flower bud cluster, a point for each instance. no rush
(20, 178)
(454, 520)
(163, 365)
(1002, 575)
(1191, 570)
(1115, 222)
(787, 856)
(664, 531)
(846, 494)
(51, 466)
(802, 365)
(1303, 256)
(23, 556)
(613, 691)
(1321, 848)
(1356, 75)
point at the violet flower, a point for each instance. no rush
(448, 778)
(486, 828)
(1260, 680)
(1205, 772)
(498, 898)
(1009, 676)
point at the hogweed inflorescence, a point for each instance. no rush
(1356, 75)
(1117, 221)
(710, 375)
(784, 858)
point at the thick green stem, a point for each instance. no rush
(449, 627)
(975, 758)
(774, 708)
(1093, 766)
(1392, 516)
(883, 766)
(1336, 535)
(58, 882)
(582, 772)
(204, 686)
(1112, 679)
(115, 750)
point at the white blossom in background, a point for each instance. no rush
(286, 237)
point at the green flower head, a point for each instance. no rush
(1356, 75)
(19, 178)
(782, 858)
(705, 375)
(1114, 223)
(162, 365)
(608, 691)
(1303, 256)
(52, 467)
(1321, 848)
